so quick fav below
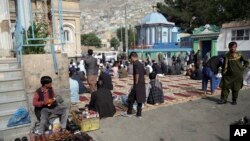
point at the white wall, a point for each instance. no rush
(225, 38)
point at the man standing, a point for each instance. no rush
(197, 59)
(232, 74)
(92, 70)
(209, 71)
(138, 92)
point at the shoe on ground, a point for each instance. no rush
(24, 139)
(222, 102)
(18, 139)
(125, 114)
(234, 103)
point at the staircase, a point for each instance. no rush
(12, 96)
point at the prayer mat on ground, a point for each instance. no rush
(176, 88)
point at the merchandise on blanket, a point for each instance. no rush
(72, 127)
(56, 126)
(78, 137)
(86, 124)
(85, 113)
(56, 136)
(92, 114)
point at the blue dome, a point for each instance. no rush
(153, 18)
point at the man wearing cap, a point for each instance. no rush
(232, 74)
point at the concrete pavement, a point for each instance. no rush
(199, 120)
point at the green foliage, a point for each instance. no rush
(132, 37)
(114, 43)
(40, 31)
(189, 14)
(90, 40)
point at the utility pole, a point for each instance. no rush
(126, 31)
(122, 37)
(134, 36)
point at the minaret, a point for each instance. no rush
(154, 7)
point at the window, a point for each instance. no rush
(66, 35)
(164, 33)
(240, 34)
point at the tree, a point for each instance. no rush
(189, 14)
(114, 43)
(40, 31)
(90, 40)
(132, 37)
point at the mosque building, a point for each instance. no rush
(157, 35)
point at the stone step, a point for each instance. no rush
(11, 89)
(12, 96)
(11, 79)
(11, 83)
(17, 131)
(3, 60)
(8, 74)
(9, 108)
(11, 133)
(8, 63)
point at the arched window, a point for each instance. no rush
(66, 35)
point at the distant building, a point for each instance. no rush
(238, 32)
(205, 39)
(157, 35)
(210, 38)
(41, 12)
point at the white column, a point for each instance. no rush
(5, 29)
(169, 35)
(153, 35)
(148, 36)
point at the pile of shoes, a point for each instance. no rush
(243, 121)
(80, 136)
(21, 139)
(57, 136)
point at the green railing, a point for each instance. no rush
(21, 34)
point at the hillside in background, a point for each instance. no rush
(103, 17)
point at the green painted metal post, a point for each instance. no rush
(214, 50)
(196, 45)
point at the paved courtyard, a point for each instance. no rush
(177, 89)
(185, 114)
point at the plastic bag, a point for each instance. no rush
(21, 116)
(219, 75)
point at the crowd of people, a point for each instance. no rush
(225, 71)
